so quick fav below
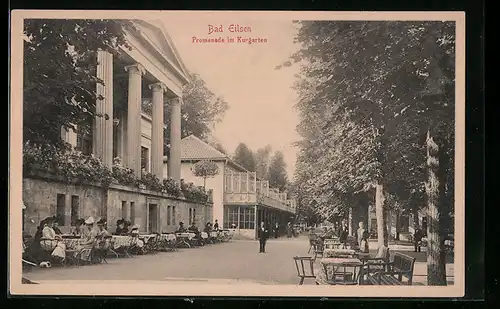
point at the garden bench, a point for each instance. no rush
(399, 268)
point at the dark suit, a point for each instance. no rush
(263, 235)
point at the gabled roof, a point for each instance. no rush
(193, 148)
(156, 33)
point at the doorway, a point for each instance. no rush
(153, 218)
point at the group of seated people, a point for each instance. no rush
(194, 229)
(48, 239)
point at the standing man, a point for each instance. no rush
(276, 230)
(216, 225)
(417, 238)
(263, 233)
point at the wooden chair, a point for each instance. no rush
(401, 267)
(305, 268)
(375, 264)
(318, 249)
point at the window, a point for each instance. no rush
(227, 182)
(169, 216)
(247, 218)
(75, 208)
(132, 212)
(230, 216)
(236, 181)
(84, 138)
(61, 208)
(145, 158)
(124, 210)
(244, 178)
(192, 215)
(173, 215)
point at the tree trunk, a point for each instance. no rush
(204, 182)
(398, 224)
(381, 216)
(436, 266)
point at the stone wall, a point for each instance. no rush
(42, 197)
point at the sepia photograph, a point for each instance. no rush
(237, 153)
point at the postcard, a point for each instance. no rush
(231, 153)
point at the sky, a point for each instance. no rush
(261, 100)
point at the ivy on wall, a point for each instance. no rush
(72, 166)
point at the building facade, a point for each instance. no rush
(150, 72)
(240, 200)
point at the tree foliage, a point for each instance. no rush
(60, 60)
(262, 160)
(201, 110)
(364, 107)
(205, 169)
(277, 172)
(244, 156)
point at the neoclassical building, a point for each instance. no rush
(137, 86)
(150, 72)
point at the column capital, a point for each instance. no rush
(177, 100)
(135, 68)
(159, 86)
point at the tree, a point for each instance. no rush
(244, 156)
(365, 110)
(277, 172)
(262, 159)
(205, 169)
(60, 60)
(219, 147)
(201, 110)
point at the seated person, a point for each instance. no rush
(134, 232)
(59, 249)
(120, 227)
(101, 228)
(208, 227)
(181, 228)
(216, 225)
(55, 226)
(87, 241)
(192, 228)
(78, 228)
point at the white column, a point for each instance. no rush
(174, 160)
(133, 158)
(157, 130)
(103, 123)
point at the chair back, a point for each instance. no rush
(304, 266)
(48, 245)
(383, 253)
(403, 264)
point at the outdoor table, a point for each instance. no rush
(185, 238)
(213, 234)
(332, 245)
(331, 253)
(146, 237)
(121, 241)
(70, 236)
(204, 235)
(71, 243)
(342, 271)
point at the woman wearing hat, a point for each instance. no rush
(87, 241)
(101, 226)
(138, 244)
(121, 228)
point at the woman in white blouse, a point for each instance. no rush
(49, 236)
